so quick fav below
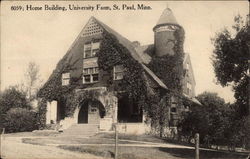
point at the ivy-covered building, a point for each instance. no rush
(105, 79)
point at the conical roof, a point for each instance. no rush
(167, 17)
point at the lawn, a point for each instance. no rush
(144, 138)
(35, 133)
(71, 140)
(139, 151)
(152, 153)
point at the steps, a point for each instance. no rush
(81, 130)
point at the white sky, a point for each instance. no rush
(45, 36)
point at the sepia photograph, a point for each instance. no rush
(125, 80)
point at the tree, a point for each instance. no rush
(12, 98)
(32, 78)
(230, 61)
(209, 120)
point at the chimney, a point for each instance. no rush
(136, 44)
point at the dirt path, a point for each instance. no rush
(13, 148)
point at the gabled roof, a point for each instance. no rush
(167, 17)
(154, 77)
(129, 45)
(124, 41)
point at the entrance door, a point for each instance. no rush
(94, 113)
(83, 113)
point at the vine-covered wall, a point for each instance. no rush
(169, 68)
(135, 84)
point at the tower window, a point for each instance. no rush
(166, 28)
(65, 79)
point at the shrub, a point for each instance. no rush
(13, 98)
(19, 120)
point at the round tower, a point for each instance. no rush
(164, 38)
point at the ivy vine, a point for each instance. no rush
(169, 68)
(134, 83)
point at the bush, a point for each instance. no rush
(13, 98)
(19, 120)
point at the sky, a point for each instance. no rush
(44, 36)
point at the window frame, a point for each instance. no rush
(118, 72)
(173, 107)
(65, 78)
(95, 71)
(92, 47)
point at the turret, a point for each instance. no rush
(164, 38)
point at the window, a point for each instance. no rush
(118, 72)
(90, 75)
(91, 49)
(65, 79)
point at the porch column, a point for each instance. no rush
(53, 116)
(48, 112)
(115, 107)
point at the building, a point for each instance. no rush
(99, 104)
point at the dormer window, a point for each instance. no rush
(118, 72)
(91, 49)
(90, 75)
(65, 79)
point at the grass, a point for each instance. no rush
(71, 140)
(37, 133)
(204, 154)
(124, 152)
(129, 152)
(152, 153)
(146, 138)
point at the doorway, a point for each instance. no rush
(83, 113)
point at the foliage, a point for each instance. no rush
(113, 53)
(230, 61)
(238, 130)
(134, 82)
(19, 120)
(75, 99)
(209, 120)
(12, 98)
(154, 103)
(216, 122)
(41, 114)
(32, 78)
